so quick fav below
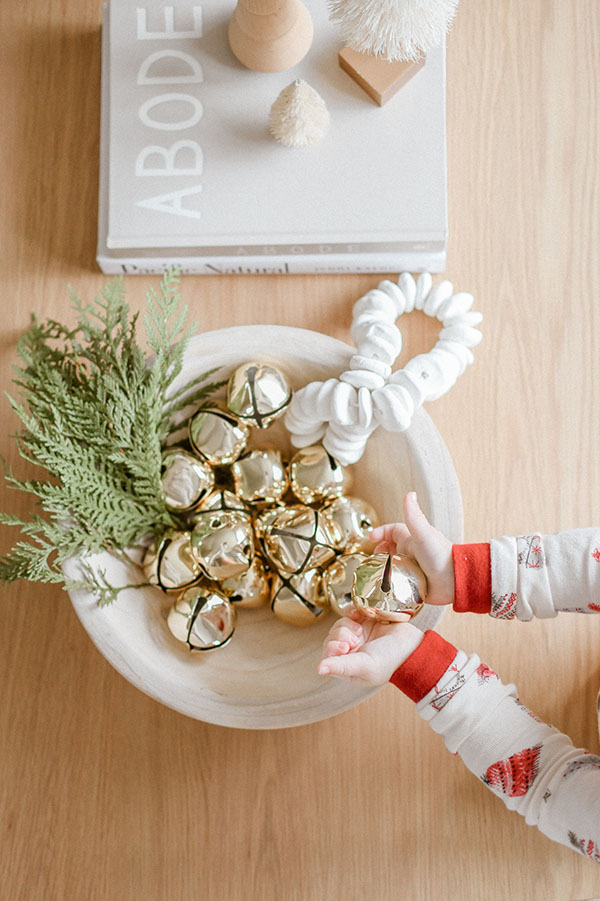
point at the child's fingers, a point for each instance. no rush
(402, 539)
(336, 646)
(343, 628)
(349, 635)
(393, 538)
(417, 523)
(385, 547)
(384, 532)
(352, 666)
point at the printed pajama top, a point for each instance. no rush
(533, 767)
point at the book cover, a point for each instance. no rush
(190, 174)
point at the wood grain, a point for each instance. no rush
(105, 794)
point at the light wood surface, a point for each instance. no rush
(106, 794)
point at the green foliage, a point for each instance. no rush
(94, 416)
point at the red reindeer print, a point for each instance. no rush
(594, 607)
(596, 555)
(514, 777)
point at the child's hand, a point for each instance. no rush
(417, 538)
(361, 650)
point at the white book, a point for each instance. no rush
(190, 175)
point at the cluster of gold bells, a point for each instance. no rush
(260, 530)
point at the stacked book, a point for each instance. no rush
(189, 174)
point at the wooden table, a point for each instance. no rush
(105, 793)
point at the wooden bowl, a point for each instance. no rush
(266, 677)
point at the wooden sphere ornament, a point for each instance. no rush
(203, 618)
(270, 35)
(389, 588)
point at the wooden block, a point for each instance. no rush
(380, 78)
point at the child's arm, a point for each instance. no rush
(508, 578)
(531, 766)
(530, 576)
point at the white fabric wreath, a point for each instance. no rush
(342, 413)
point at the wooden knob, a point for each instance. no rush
(270, 35)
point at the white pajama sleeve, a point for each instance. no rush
(531, 766)
(540, 575)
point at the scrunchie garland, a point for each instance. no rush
(343, 413)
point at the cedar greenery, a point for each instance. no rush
(95, 415)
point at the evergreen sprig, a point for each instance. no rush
(95, 414)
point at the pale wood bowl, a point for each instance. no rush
(266, 677)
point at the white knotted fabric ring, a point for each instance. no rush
(342, 413)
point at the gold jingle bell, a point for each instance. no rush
(258, 393)
(251, 589)
(316, 476)
(222, 544)
(225, 500)
(217, 436)
(185, 479)
(298, 600)
(355, 519)
(170, 564)
(264, 520)
(389, 588)
(260, 477)
(300, 538)
(203, 618)
(337, 582)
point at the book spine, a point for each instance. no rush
(309, 264)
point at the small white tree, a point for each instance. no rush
(298, 116)
(393, 29)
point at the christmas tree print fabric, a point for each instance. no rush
(514, 776)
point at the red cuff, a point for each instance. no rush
(472, 578)
(425, 666)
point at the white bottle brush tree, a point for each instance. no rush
(393, 29)
(298, 116)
